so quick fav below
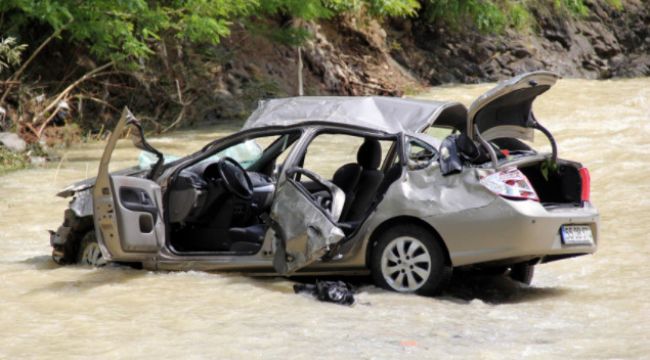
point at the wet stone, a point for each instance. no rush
(12, 142)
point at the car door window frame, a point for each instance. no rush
(412, 165)
(223, 143)
(302, 145)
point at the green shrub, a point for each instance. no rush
(486, 15)
(575, 7)
(493, 16)
(10, 160)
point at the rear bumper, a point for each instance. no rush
(543, 226)
(513, 231)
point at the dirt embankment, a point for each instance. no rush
(352, 56)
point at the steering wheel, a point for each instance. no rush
(235, 178)
(330, 199)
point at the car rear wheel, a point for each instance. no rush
(409, 259)
(89, 251)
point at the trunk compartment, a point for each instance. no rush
(560, 187)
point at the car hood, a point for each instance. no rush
(505, 110)
(90, 182)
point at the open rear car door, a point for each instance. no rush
(127, 213)
(304, 223)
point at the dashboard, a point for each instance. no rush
(197, 189)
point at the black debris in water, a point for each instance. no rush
(331, 291)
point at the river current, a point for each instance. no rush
(591, 307)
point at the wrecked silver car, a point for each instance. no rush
(394, 202)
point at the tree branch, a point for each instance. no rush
(93, 73)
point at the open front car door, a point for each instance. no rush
(304, 222)
(127, 210)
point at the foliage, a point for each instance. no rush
(124, 30)
(518, 16)
(10, 53)
(323, 9)
(493, 16)
(576, 7)
(579, 7)
(485, 14)
(393, 8)
(548, 167)
(303, 9)
(11, 161)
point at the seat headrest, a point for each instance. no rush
(369, 154)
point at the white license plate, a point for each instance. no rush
(576, 235)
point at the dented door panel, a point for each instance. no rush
(304, 232)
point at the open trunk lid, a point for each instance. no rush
(505, 110)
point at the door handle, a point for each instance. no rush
(138, 200)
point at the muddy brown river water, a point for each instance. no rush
(592, 307)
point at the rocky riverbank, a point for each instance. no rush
(352, 56)
(606, 43)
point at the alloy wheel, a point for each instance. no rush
(406, 264)
(92, 255)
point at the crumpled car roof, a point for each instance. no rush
(388, 114)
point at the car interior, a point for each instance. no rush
(359, 168)
(221, 203)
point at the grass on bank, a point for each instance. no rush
(10, 161)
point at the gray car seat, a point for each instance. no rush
(369, 157)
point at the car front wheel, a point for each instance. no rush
(89, 251)
(409, 259)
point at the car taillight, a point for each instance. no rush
(586, 184)
(510, 183)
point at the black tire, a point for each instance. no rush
(522, 273)
(89, 253)
(72, 231)
(65, 254)
(396, 270)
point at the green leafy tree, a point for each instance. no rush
(124, 30)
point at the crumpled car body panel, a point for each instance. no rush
(303, 233)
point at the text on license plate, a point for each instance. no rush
(576, 235)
